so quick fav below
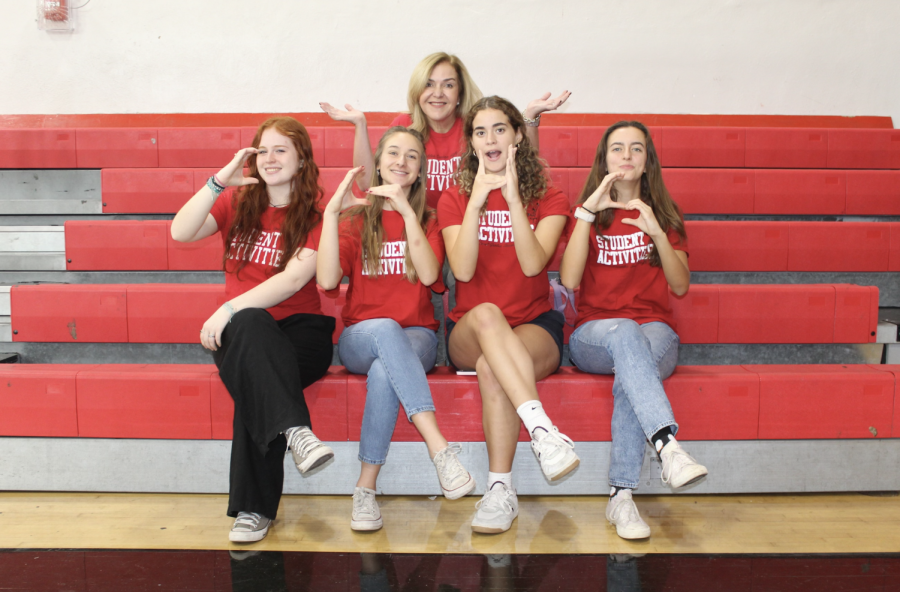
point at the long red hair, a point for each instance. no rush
(251, 201)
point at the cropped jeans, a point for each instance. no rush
(395, 360)
(641, 357)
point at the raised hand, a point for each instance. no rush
(484, 183)
(343, 197)
(544, 103)
(352, 115)
(511, 188)
(232, 174)
(395, 196)
(646, 222)
(600, 199)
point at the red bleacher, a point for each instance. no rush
(186, 401)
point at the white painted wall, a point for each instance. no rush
(812, 57)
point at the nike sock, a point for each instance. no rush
(505, 478)
(533, 416)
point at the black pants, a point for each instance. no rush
(265, 365)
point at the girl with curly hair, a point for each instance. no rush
(270, 340)
(627, 250)
(501, 225)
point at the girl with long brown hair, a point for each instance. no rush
(270, 339)
(391, 249)
(627, 250)
(501, 225)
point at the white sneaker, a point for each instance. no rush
(678, 467)
(555, 452)
(623, 514)
(249, 527)
(307, 450)
(496, 510)
(455, 480)
(366, 515)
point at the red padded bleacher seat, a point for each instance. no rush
(873, 193)
(855, 314)
(713, 147)
(776, 314)
(697, 314)
(894, 257)
(326, 400)
(559, 178)
(38, 400)
(714, 402)
(894, 370)
(863, 149)
(332, 305)
(338, 147)
(82, 313)
(846, 246)
(375, 134)
(116, 245)
(824, 401)
(121, 147)
(559, 145)
(800, 192)
(738, 246)
(712, 191)
(577, 179)
(145, 401)
(588, 139)
(146, 191)
(198, 146)
(201, 255)
(580, 404)
(170, 313)
(37, 149)
(786, 148)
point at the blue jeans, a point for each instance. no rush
(395, 360)
(641, 357)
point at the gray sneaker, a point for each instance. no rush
(308, 451)
(366, 514)
(455, 479)
(496, 510)
(249, 527)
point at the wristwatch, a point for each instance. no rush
(583, 214)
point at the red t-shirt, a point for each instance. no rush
(619, 282)
(390, 295)
(262, 258)
(498, 275)
(444, 153)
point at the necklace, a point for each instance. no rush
(271, 205)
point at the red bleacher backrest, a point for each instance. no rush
(145, 401)
(37, 149)
(116, 245)
(326, 400)
(588, 140)
(171, 313)
(577, 180)
(873, 193)
(338, 147)
(559, 145)
(786, 148)
(146, 191)
(124, 147)
(198, 146)
(201, 255)
(714, 402)
(38, 400)
(69, 313)
(800, 192)
(697, 314)
(863, 149)
(580, 404)
(712, 191)
(847, 246)
(375, 134)
(824, 401)
(738, 246)
(559, 178)
(719, 147)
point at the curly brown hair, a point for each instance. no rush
(371, 228)
(251, 201)
(529, 166)
(653, 189)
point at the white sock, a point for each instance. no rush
(505, 478)
(533, 416)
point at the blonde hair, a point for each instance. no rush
(371, 229)
(469, 93)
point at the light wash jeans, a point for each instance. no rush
(640, 356)
(395, 360)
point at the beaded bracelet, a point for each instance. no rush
(214, 187)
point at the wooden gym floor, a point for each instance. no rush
(770, 524)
